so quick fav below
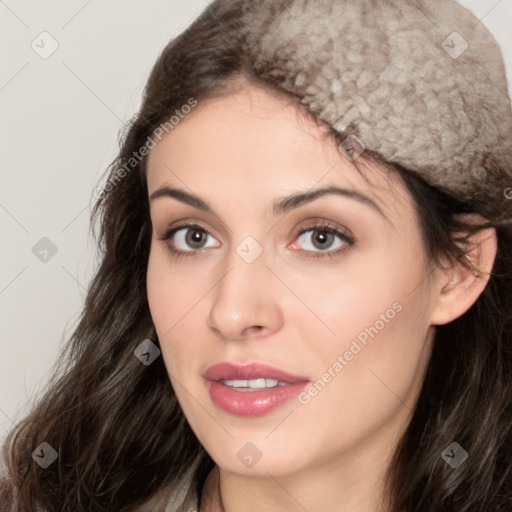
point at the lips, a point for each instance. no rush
(251, 389)
(228, 371)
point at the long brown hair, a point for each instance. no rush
(121, 437)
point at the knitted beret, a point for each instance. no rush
(419, 83)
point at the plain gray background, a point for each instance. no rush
(60, 118)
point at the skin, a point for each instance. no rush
(240, 153)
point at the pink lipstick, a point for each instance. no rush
(251, 389)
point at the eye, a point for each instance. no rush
(323, 238)
(317, 240)
(187, 239)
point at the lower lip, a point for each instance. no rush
(253, 403)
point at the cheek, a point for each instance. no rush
(367, 337)
(172, 288)
(176, 298)
(350, 296)
(161, 293)
(167, 298)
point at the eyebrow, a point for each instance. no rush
(281, 206)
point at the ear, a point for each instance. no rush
(458, 287)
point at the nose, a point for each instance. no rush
(245, 302)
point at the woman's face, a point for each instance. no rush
(330, 290)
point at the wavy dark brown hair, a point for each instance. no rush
(121, 437)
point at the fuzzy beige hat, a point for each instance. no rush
(420, 83)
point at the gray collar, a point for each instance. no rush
(185, 498)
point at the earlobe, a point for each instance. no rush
(459, 287)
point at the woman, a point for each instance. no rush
(304, 298)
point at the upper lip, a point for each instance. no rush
(248, 371)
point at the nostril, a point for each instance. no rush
(256, 328)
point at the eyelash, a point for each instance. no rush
(319, 226)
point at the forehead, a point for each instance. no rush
(261, 145)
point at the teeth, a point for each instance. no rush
(253, 383)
